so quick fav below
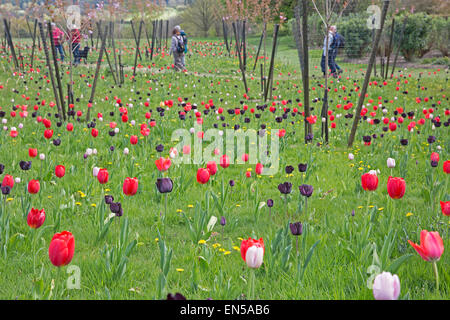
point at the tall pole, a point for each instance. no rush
(368, 73)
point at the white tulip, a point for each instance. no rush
(254, 257)
(390, 163)
(351, 156)
(95, 171)
(386, 286)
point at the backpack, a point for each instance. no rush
(180, 46)
(340, 41)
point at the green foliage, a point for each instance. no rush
(356, 34)
(416, 39)
(440, 35)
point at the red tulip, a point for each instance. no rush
(32, 152)
(245, 157)
(130, 186)
(8, 180)
(445, 207)
(33, 186)
(248, 174)
(211, 166)
(69, 127)
(369, 181)
(224, 161)
(133, 139)
(94, 132)
(446, 166)
(435, 156)
(259, 168)
(36, 218)
(60, 171)
(163, 164)
(48, 133)
(396, 187)
(202, 176)
(431, 246)
(61, 248)
(103, 176)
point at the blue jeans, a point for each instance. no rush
(330, 63)
(334, 55)
(76, 53)
(59, 48)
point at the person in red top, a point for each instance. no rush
(58, 38)
(75, 38)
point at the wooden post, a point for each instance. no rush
(57, 74)
(240, 61)
(137, 48)
(225, 38)
(399, 45)
(50, 69)
(390, 48)
(305, 71)
(99, 62)
(153, 39)
(367, 77)
(135, 39)
(10, 44)
(259, 47)
(34, 43)
(272, 61)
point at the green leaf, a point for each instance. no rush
(398, 262)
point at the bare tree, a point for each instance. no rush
(201, 15)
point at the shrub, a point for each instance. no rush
(356, 34)
(440, 35)
(416, 39)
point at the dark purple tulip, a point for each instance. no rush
(112, 148)
(404, 142)
(223, 221)
(302, 167)
(159, 148)
(306, 190)
(6, 190)
(25, 165)
(2, 168)
(116, 207)
(176, 296)
(57, 142)
(431, 139)
(109, 199)
(231, 183)
(270, 203)
(434, 164)
(289, 169)
(285, 188)
(296, 228)
(353, 212)
(164, 185)
(309, 137)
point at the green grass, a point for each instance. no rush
(338, 267)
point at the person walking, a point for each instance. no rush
(58, 38)
(338, 42)
(185, 41)
(177, 48)
(331, 33)
(75, 39)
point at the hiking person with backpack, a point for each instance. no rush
(330, 36)
(177, 49)
(338, 43)
(185, 41)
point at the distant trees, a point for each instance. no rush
(200, 17)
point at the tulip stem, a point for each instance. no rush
(251, 294)
(436, 274)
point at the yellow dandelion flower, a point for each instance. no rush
(380, 209)
(93, 205)
(49, 197)
(179, 210)
(360, 207)
(78, 203)
(201, 241)
(107, 190)
(238, 205)
(156, 239)
(239, 238)
(9, 199)
(227, 252)
(409, 214)
(190, 206)
(215, 245)
(179, 269)
(236, 248)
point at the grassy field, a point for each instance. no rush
(206, 260)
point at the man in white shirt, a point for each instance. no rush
(331, 33)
